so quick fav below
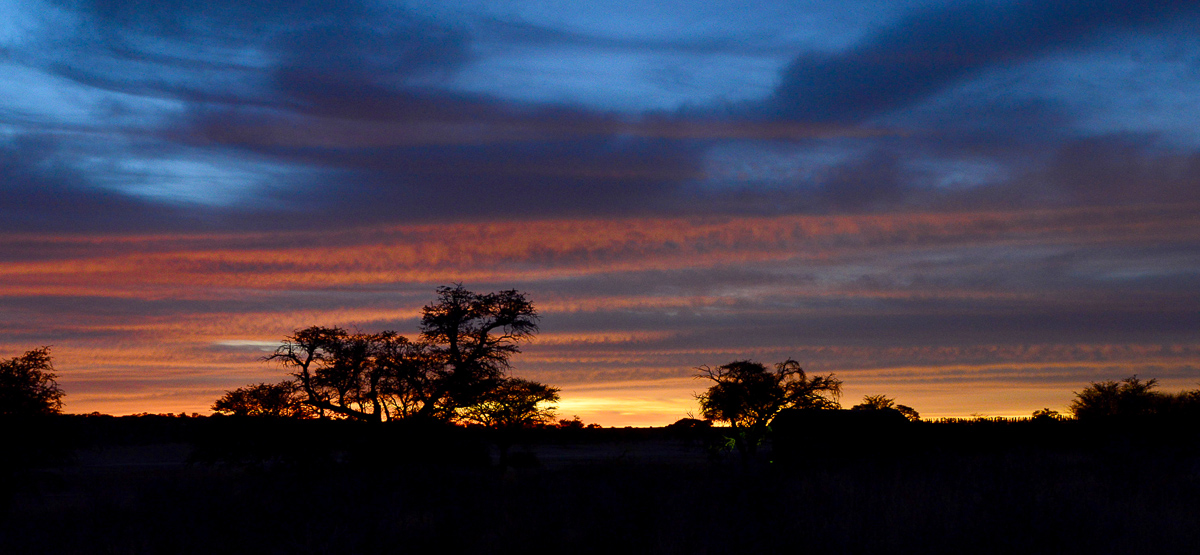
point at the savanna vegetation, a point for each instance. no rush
(28, 386)
(381, 442)
(454, 370)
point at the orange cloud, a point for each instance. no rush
(190, 267)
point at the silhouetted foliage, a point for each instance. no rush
(573, 424)
(1134, 398)
(472, 336)
(1046, 414)
(1107, 399)
(883, 402)
(280, 400)
(1184, 405)
(746, 395)
(28, 386)
(513, 403)
(359, 376)
(461, 354)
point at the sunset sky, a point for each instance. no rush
(975, 207)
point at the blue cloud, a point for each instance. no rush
(933, 48)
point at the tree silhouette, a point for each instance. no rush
(883, 402)
(1129, 397)
(279, 399)
(514, 403)
(1133, 397)
(1046, 414)
(461, 355)
(28, 386)
(471, 338)
(572, 424)
(746, 395)
(335, 371)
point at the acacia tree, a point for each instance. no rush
(883, 402)
(746, 395)
(461, 354)
(471, 337)
(28, 386)
(328, 365)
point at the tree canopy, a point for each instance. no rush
(1129, 397)
(746, 395)
(883, 402)
(514, 403)
(28, 386)
(1133, 397)
(459, 359)
(279, 399)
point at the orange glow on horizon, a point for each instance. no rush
(166, 323)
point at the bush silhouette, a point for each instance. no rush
(28, 386)
(1130, 397)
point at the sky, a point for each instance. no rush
(975, 207)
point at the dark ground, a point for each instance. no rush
(150, 484)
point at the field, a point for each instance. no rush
(222, 485)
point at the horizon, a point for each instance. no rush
(971, 207)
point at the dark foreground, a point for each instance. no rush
(221, 486)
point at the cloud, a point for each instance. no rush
(1120, 170)
(934, 48)
(43, 192)
(265, 116)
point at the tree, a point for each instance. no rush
(746, 395)
(572, 424)
(279, 400)
(514, 403)
(471, 338)
(1046, 414)
(461, 354)
(28, 386)
(1129, 397)
(333, 369)
(883, 402)
(1132, 397)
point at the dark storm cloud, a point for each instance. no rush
(933, 48)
